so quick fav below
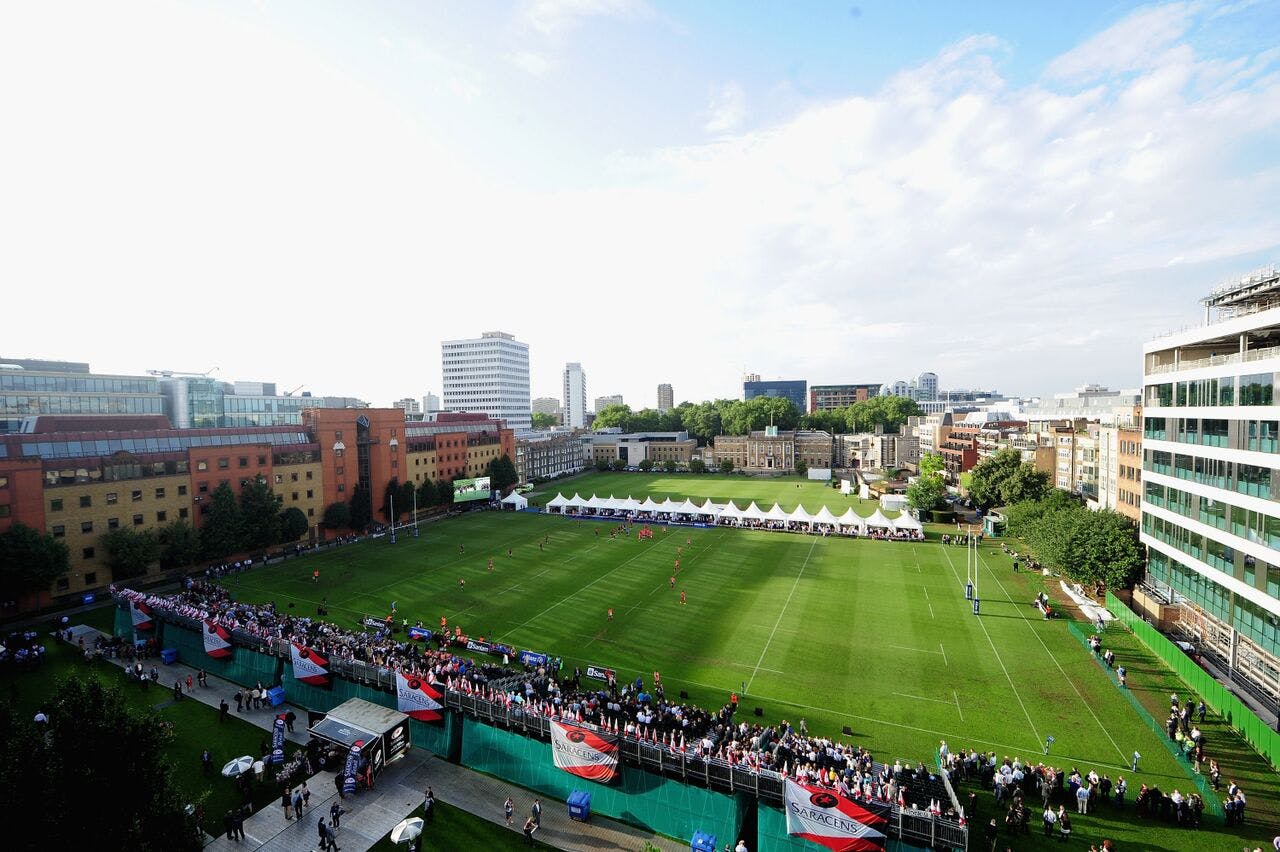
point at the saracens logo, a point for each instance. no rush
(823, 800)
(213, 629)
(576, 736)
(305, 653)
(414, 683)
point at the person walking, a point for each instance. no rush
(190, 682)
(1200, 710)
(529, 828)
(297, 804)
(286, 801)
(239, 701)
(536, 812)
(223, 707)
(306, 795)
(1136, 758)
(206, 761)
(239, 821)
(324, 834)
(1122, 675)
(335, 815)
(429, 806)
(509, 808)
(1050, 819)
(203, 679)
(289, 719)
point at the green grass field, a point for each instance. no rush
(873, 635)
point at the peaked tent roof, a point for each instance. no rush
(649, 506)
(514, 499)
(577, 501)
(800, 514)
(630, 504)
(906, 522)
(730, 510)
(880, 521)
(709, 508)
(851, 518)
(776, 514)
(824, 516)
(669, 505)
(688, 508)
(753, 512)
(557, 501)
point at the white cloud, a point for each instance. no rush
(555, 17)
(530, 62)
(727, 109)
(1126, 46)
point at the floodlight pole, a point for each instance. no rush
(415, 513)
(393, 517)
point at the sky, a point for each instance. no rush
(1012, 195)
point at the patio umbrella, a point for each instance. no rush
(406, 830)
(235, 767)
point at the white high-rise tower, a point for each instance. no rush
(489, 374)
(575, 396)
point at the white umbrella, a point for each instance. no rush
(406, 830)
(235, 767)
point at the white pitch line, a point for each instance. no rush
(931, 615)
(1032, 628)
(958, 710)
(922, 698)
(944, 655)
(1007, 676)
(917, 650)
(786, 604)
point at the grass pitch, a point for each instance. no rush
(872, 635)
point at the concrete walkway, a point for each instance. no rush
(399, 790)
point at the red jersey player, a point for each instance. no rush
(611, 613)
(683, 601)
(673, 581)
(490, 563)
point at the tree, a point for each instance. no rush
(602, 465)
(646, 465)
(444, 493)
(221, 533)
(502, 475)
(926, 493)
(130, 552)
(670, 466)
(802, 467)
(931, 464)
(726, 465)
(93, 742)
(390, 494)
(618, 464)
(361, 508)
(259, 516)
(1004, 479)
(612, 416)
(337, 516)
(887, 411)
(293, 524)
(697, 466)
(30, 561)
(427, 493)
(407, 495)
(1026, 483)
(179, 544)
(542, 420)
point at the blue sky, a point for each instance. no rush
(1009, 194)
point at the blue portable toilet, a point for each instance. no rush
(275, 695)
(169, 656)
(580, 805)
(703, 842)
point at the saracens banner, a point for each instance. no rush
(588, 754)
(141, 614)
(352, 768)
(277, 741)
(217, 641)
(308, 666)
(418, 699)
(830, 820)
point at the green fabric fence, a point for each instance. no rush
(642, 799)
(244, 667)
(1256, 732)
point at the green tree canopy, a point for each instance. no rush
(670, 466)
(99, 760)
(130, 552)
(646, 465)
(293, 524)
(726, 465)
(542, 420)
(337, 516)
(697, 466)
(179, 544)
(612, 416)
(427, 493)
(932, 464)
(360, 508)
(926, 493)
(259, 516)
(30, 561)
(1004, 479)
(502, 475)
(444, 493)
(1085, 545)
(221, 531)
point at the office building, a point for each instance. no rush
(831, 397)
(546, 405)
(926, 388)
(608, 445)
(408, 405)
(30, 387)
(751, 377)
(666, 398)
(603, 401)
(547, 455)
(797, 391)
(1211, 477)
(773, 451)
(488, 375)
(430, 403)
(575, 396)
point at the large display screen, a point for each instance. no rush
(465, 490)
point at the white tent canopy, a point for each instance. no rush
(649, 506)
(630, 504)
(752, 512)
(709, 508)
(669, 505)
(906, 522)
(879, 521)
(776, 514)
(557, 502)
(688, 508)
(731, 511)
(576, 502)
(517, 500)
(801, 515)
(851, 518)
(824, 516)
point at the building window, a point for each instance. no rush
(311, 512)
(341, 488)
(87, 553)
(91, 579)
(183, 513)
(136, 496)
(262, 460)
(244, 461)
(223, 464)
(202, 465)
(137, 520)
(161, 517)
(310, 494)
(113, 523)
(159, 493)
(293, 477)
(294, 497)
(86, 526)
(59, 531)
(85, 501)
(4, 481)
(308, 476)
(5, 511)
(203, 488)
(182, 491)
(279, 479)
(337, 436)
(55, 505)
(112, 497)
(338, 470)
(63, 584)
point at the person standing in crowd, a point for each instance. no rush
(286, 802)
(529, 828)
(223, 707)
(239, 701)
(297, 804)
(536, 812)
(335, 815)
(509, 809)
(306, 795)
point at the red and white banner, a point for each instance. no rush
(829, 820)
(418, 699)
(141, 614)
(217, 641)
(308, 666)
(586, 753)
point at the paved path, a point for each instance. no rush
(372, 814)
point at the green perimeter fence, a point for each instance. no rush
(1256, 732)
(1180, 754)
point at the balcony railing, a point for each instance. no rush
(1217, 360)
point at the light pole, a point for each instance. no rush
(392, 498)
(415, 512)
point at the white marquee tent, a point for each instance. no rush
(824, 516)
(851, 518)
(906, 522)
(800, 515)
(879, 522)
(776, 514)
(557, 503)
(516, 500)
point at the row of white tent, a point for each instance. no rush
(729, 512)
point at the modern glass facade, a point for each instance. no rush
(27, 394)
(796, 391)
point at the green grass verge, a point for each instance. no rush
(454, 828)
